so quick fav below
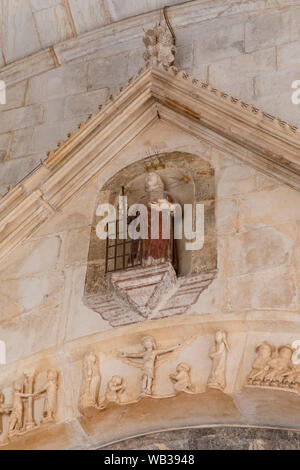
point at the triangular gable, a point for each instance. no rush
(249, 134)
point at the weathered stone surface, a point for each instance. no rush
(26, 68)
(198, 52)
(223, 74)
(263, 29)
(36, 5)
(257, 209)
(47, 136)
(42, 257)
(218, 40)
(266, 84)
(29, 334)
(15, 96)
(84, 103)
(21, 142)
(278, 84)
(120, 10)
(235, 180)
(78, 213)
(135, 61)
(102, 73)
(20, 118)
(19, 37)
(13, 171)
(249, 65)
(274, 289)
(287, 56)
(88, 14)
(30, 294)
(260, 249)
(288, 111)
(5, 140)
(64, 81)
(265, 182)
(76, 246)
(82, 321)
(226, 211)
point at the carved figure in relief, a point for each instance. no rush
(160, 47)
(4, 410)
(181, 379)
(264, 353)
(115, 388)
(50, 403)
(91, 381)
(218, 355)
(277, 368)
(17, 413)
(292, 378)
(149, 356)
(160, 248)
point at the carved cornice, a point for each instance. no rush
(250, 134)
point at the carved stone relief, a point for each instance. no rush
(218, 355)
(160, 47)
(91, 381)
(181, 379)
(147, 359)
(21, 411)
(164, 372)
(275, 368)
(115, 389)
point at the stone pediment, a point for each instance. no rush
(158, 93)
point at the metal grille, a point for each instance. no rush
(121, 254)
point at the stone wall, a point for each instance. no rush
(248, 48)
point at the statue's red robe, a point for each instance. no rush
(154, 251)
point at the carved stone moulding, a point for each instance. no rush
(160, 49)
(143, 288)
(153, 293)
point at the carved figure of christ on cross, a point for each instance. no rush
(149, 357)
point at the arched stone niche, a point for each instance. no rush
(190, 180)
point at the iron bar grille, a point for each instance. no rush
(121, 254)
